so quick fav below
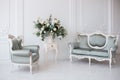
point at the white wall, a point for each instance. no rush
(93, 15)
(116, 19)
(43, 8)
(7, 25)
(83, 16)
(4, 28)
(116, 16)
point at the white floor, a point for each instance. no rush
(62, 70)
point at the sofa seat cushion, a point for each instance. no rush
(80, 51)
(24, 60)
(93, 52)
(99, 53)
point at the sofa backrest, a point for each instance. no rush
(97, 40)
(112, 42)
(83, 41)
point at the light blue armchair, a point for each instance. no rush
(23, 55)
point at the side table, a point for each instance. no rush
(51, 46)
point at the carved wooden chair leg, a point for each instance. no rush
(31, 63)
(38, 64)
(70, 58)
(89, 61)
(110, 62)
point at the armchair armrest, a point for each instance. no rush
(21, 53)
(32, 48)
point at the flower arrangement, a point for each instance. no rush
(49, 28)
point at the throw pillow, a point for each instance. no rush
(16, 44)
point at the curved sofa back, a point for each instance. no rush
(112, 42)
(97, 41)
(83, 41)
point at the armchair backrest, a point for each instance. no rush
(10, 37)
(14, 43)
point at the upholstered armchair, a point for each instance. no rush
(23, 55)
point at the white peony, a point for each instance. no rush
(42, 28)
(44, 31)
(51, 31)
(59, 37)
(55, 20)
(54, 29)
(47, 24)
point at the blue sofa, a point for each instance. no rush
(96, 46)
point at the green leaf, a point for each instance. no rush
(38, 34)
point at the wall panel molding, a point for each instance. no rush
(78, 15)
(72, 19)
(4, 29)
(110, 18)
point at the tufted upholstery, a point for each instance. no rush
(23, 54)
(97, 40)
(96, 45)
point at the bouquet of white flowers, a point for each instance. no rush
(50, 28)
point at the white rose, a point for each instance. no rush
(55, 20)
(47, 24)
(42, 21)
(40, 32)
(42, 29)
(59, 37)
(54, 29)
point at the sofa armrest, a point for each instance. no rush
(73, 45)
(115, 48)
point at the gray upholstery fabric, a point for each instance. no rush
(32, 48)
(83, 42)
(74, 44)
(16, 44)
(24, 60)
(111, 43)
(21, 53)
(90, 53)
(82, 48)
(97, 40)
(23, 56)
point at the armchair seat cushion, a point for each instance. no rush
(24, 60)
(21, 53)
